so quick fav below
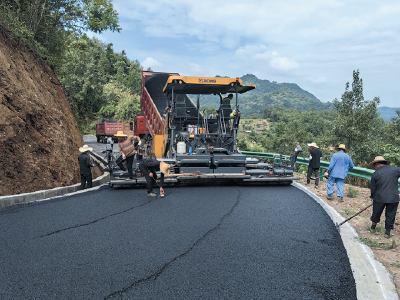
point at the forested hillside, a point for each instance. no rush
(265, 86)
(270, 94)
(354, 121)
(99, 83)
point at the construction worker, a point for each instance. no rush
(227, 100)
(384, 193)
(337, 171)
(85, 165)
(148, 168)
(314, 164)
(127, 150)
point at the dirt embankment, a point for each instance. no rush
(39, 137)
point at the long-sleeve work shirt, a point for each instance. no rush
(84, 163)
(384, 184)
(340, 164)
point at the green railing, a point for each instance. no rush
(356, 171)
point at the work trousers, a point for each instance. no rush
(149, 181)
(86, 181)
(390, 213)
(339, 186)
(129, 162)
(310, 172)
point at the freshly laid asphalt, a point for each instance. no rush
(199, 242)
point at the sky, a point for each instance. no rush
(314, 43)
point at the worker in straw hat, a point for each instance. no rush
(127, 150)
(337, 171)
(314, 163)
(148, 168)
(384, 193)
(84, 166)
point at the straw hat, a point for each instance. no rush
(378, 159)
(164, 168)
(312, 145)
(85, 148)
(120, 134)
(341, 147)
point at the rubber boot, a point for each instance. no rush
(387, 233)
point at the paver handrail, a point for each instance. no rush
(356, 171)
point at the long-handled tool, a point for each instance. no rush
(109, 170)
(338, 225)
(194, 173)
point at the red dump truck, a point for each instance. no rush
(105, 129)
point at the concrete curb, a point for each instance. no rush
(373, 281)
(60, 191)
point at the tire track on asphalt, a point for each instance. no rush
(97, 220)
(156, 274)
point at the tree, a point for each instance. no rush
(356, 124)
(47, 25)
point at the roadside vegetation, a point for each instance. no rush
(353, 121)
(99, 83)
(102, 84)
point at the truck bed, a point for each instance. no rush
(155, 84)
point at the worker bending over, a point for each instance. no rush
(148, 168)
(127, 150)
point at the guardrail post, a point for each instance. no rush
(321, 173)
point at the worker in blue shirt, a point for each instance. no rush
(337, 170)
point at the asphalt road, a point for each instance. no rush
(202, 242)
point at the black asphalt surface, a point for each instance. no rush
(202, 242)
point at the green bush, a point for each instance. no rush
(352, 193)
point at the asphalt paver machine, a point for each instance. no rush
(194, 142)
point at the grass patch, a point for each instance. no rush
(352, 193)
(396, 265)
(379, 229)
(375, 244)
(348, 212)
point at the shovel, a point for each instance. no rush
(338, 225)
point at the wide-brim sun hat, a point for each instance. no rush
(85, 148)
(341, 147)
(313, 145)
(120, 134)
(379, 159)
(164, 168)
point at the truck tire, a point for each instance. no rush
(98, 138)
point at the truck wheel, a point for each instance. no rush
(98, 138)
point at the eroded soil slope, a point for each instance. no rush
(39, 137)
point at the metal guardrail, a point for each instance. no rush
(356, 171)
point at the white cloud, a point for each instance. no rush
(313, 43)
(195, 69)
(152, 63)
(283, 63)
